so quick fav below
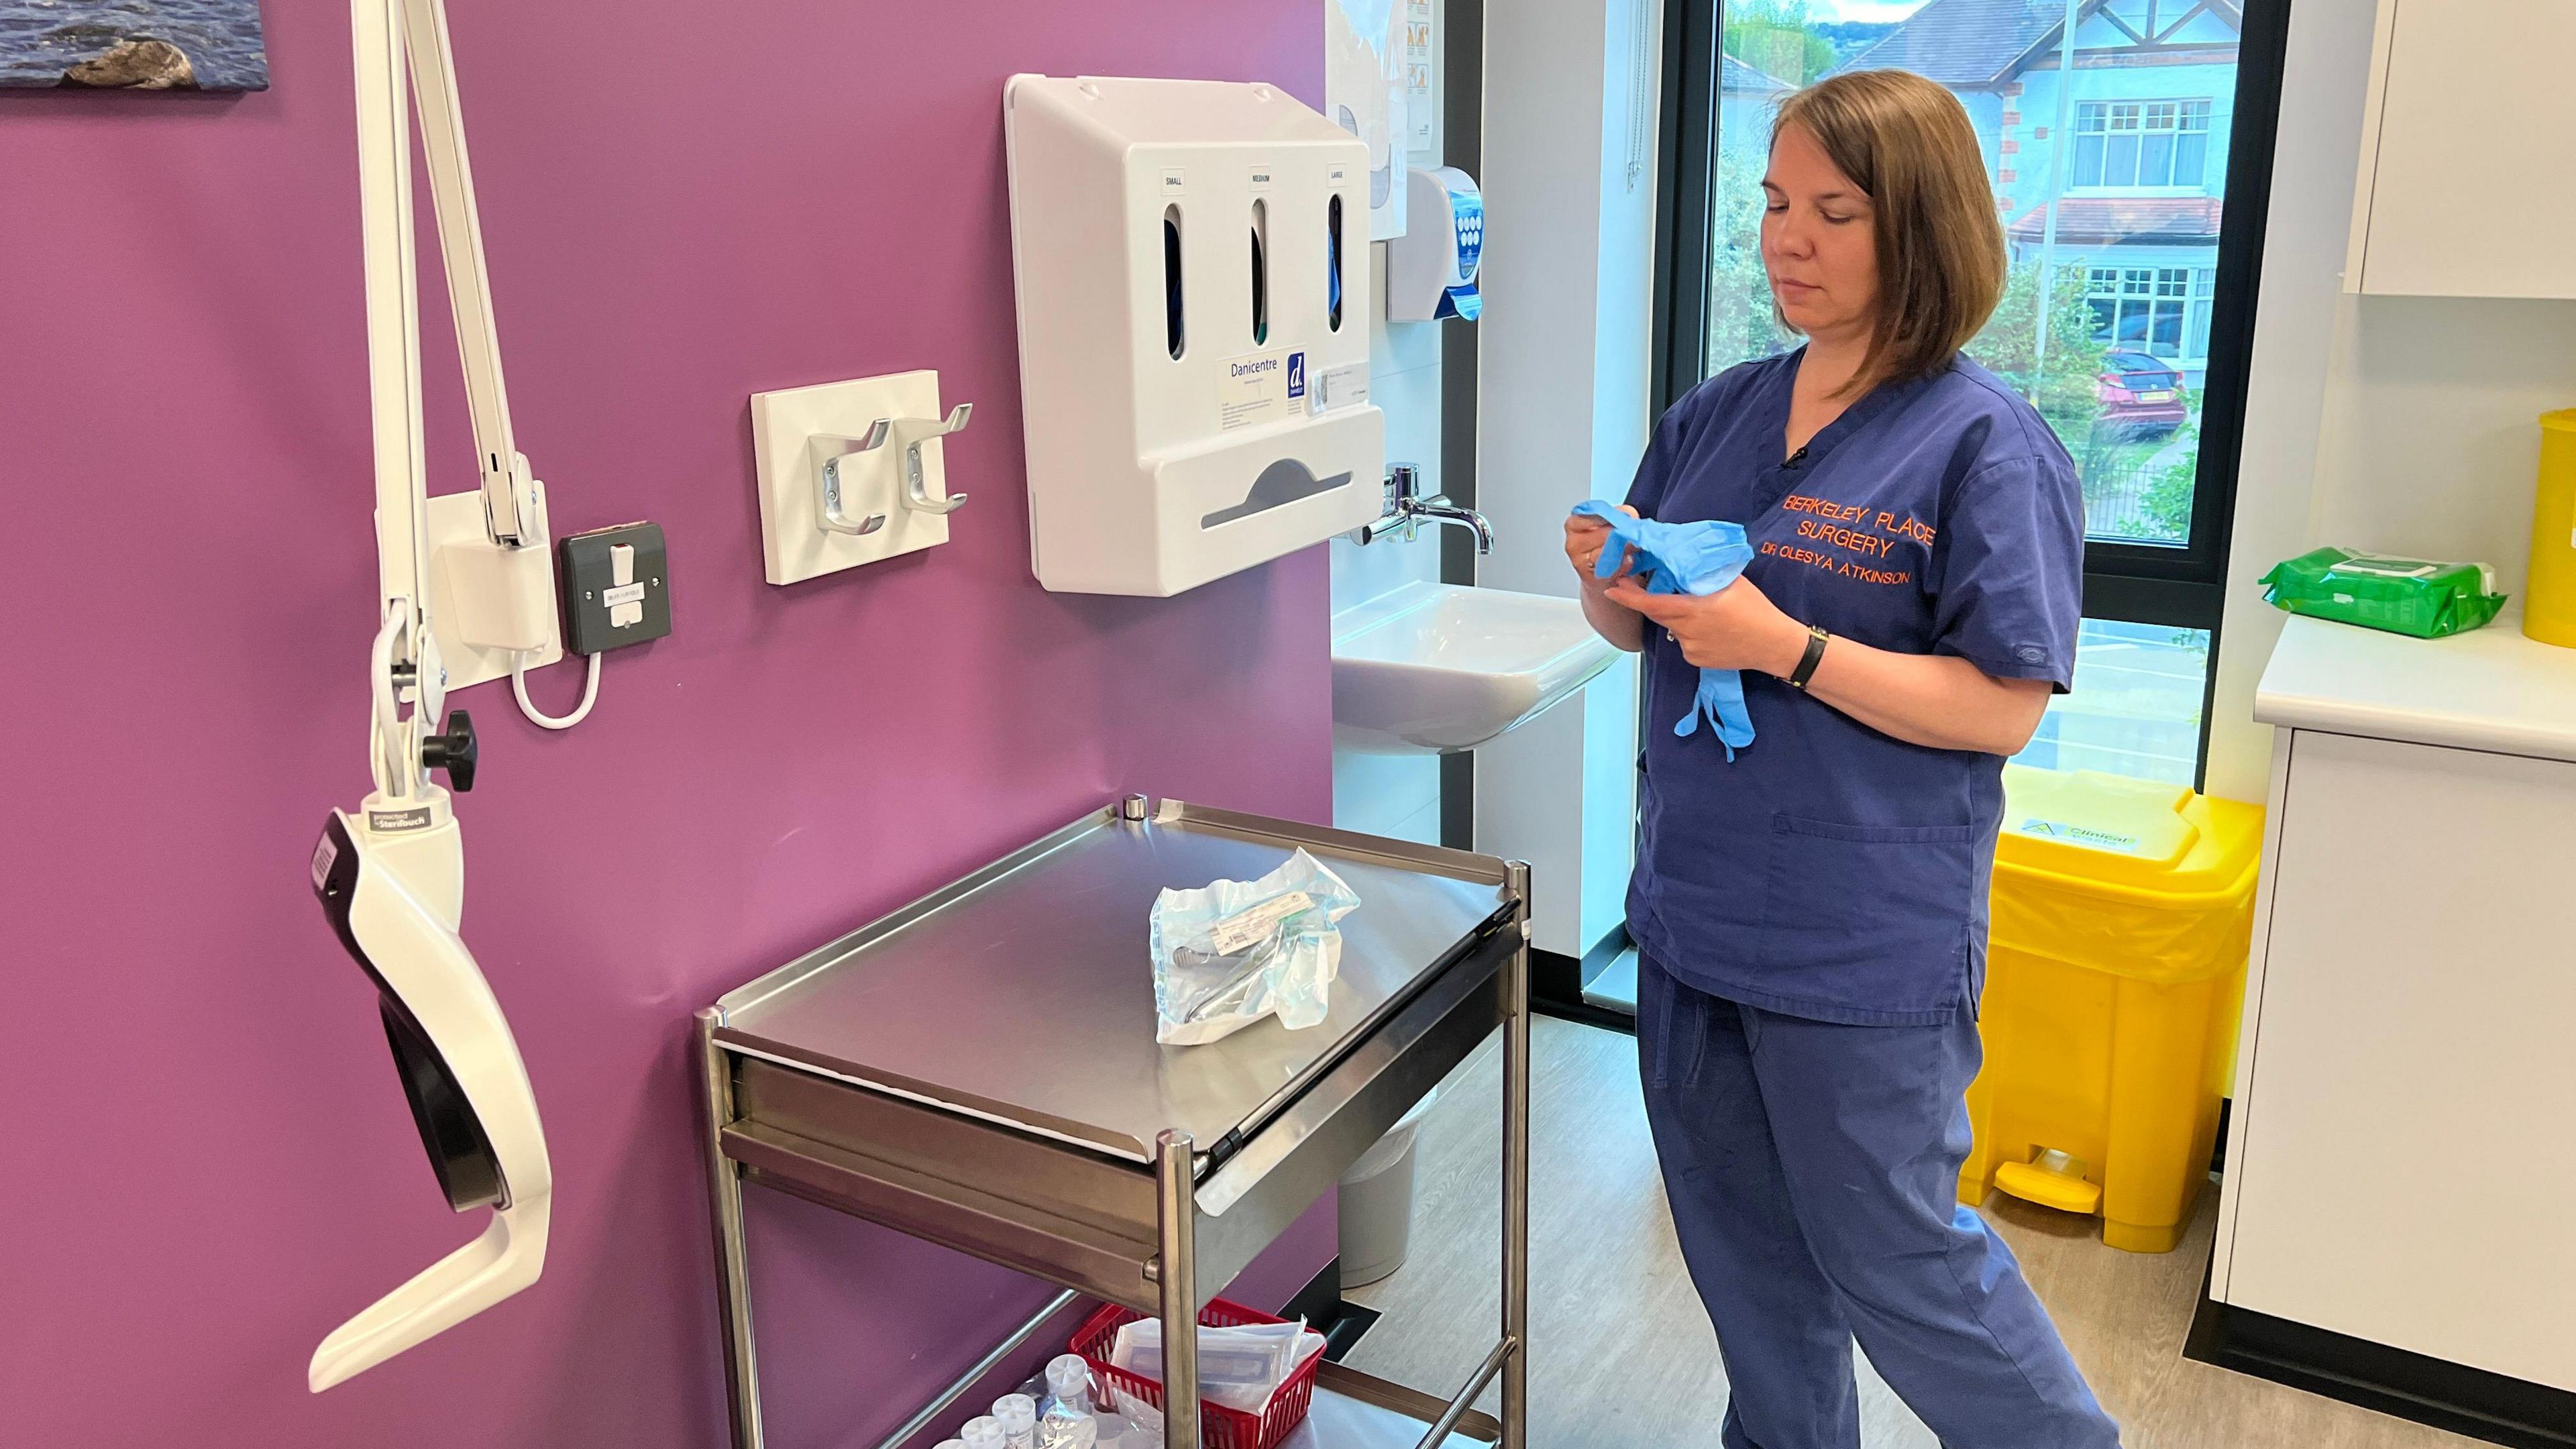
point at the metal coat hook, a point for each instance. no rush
(910, 434)
(828, 485)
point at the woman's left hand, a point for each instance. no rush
(1738, 627)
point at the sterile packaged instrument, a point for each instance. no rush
(1238, 1367)
(2379, 591)
(1232, 952)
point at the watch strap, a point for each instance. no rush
(1817, 638)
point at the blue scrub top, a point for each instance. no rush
(1831, 871)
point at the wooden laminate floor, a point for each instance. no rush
(1623, 1357)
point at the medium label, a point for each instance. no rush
(394, 822)
(1249, 928)
(625, 594)
(1254, 388)
(1340, 387)
(325, 855)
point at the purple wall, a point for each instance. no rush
(211, 1164)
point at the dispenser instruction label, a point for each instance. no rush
(1257, 387)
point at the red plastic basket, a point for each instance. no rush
(1219, 1426)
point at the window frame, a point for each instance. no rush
(2182, 587)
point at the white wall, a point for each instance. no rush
(1395, 795)
(2402, 424)
(1563, 373)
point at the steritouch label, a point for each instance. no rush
(1257, 388)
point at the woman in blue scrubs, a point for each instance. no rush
(1813, 914)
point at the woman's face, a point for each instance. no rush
(1819, 244)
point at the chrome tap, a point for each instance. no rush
(1407, 510)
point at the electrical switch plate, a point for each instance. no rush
(617, 587)
(487, 603)
(788, 429)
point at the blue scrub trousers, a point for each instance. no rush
(1813, 1170)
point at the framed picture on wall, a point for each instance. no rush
(140, 45)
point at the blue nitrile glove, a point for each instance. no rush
(1684, 558)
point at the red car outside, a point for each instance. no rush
(2140, 396)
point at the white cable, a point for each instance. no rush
(519, 687)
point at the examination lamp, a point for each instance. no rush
(391, 874)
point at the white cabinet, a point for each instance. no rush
(2401, 1169)
(2470, 120)
(2406, 1174)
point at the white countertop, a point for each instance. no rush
(2487, 689)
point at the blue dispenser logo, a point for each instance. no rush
(1296, 374)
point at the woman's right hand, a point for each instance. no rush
(1612, 620)
(1584, 540)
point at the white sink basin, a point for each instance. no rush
(1439, 668)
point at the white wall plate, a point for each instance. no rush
(515, 593)
(795, 545)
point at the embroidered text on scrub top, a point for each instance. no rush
(1685, 558)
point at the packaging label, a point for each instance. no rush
(1254, 388)
(2075, 834)
(1246, 929)
(1340, 387)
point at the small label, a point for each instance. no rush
(395, 822)
(1340, 387)
(1261, 178)
(1296, 375)
(1172, 181)
(325, 855)
(1341, 174)
(626, 594)
(1252, 389)
(2079, 835)
(1251, 927)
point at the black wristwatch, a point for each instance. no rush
(1817, 638)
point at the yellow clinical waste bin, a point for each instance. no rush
(2115, 970)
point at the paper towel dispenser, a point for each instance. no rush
(1193, 282)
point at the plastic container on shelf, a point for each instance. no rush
(1219, 1427)
(2549, 599)
(2115, 973)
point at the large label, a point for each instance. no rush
(1258, 387)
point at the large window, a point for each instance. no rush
(2141, 143)
(2163, 311)
(2130, 162)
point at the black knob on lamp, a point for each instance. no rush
(454, 751)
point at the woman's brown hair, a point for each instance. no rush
(1907, 144)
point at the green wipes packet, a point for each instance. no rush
(2402, 595)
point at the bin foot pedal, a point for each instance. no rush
(2053, 1179)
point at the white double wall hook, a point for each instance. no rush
(835, 471)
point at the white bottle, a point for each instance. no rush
(1018, 1416)
(981, 1434)
(1068, 1405)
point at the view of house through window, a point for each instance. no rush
(2107, 150)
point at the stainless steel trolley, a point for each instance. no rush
(979, 1070)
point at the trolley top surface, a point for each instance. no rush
(1024, 994)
